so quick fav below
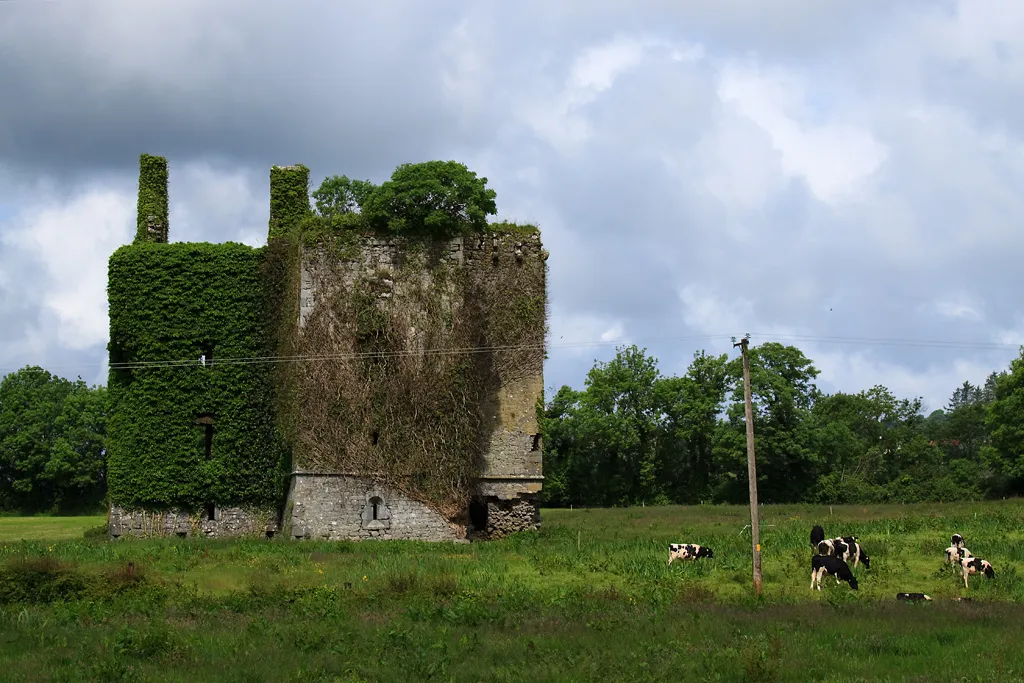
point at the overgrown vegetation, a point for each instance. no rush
(416, 422)
(152, 210)
(289, 199)
(184, 319)
(432, 199)
(530, 607)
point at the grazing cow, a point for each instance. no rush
(955, 554)
(817, 535)
(912, 596)
(836, 546)
(856, 552)
(973, 565)
(833, 566)
(687, 551)
(957, 541)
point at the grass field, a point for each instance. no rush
(46, 528)
(588, 598)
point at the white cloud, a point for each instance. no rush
(834, 158)
(215, 204)
(558, 117)
(72, 241)
(959, 306)
(859, 370)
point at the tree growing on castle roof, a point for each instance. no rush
(339, 195)
(435, 198)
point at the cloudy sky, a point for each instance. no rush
(819, 173)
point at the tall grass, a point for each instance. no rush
(589, 597)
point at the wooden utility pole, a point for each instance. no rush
(755, 543)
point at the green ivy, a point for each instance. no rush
(173, 302)
(289, 199)
(152, 199)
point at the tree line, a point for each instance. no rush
(633, 435)
(52, 443)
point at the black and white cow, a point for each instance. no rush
(817, 535)
(914, 597)
(833, 566)
(687, 551)
(845, 548)
(954, 554)
(957, 541)
(973, 565)
(856, 551)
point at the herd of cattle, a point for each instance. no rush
(834, 554)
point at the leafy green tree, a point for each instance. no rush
(782, 392)
(567, 472)
(1005, 421)
(964, 431)
(52, 454)
(437, 198)
(693, 404)
(338, 195)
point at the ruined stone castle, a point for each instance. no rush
(207, 440)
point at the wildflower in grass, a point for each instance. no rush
(364, 578)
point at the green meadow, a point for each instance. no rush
(588, 598)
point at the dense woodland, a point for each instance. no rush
(633, 435)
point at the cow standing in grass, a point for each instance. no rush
(973, 565)
(687, 551)
(954, 554)
(833, 566)
(845, 548)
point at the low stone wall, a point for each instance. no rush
(505, 517)
(338, 506)
(226, 522)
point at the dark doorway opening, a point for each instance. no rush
(478, 514)
(210, 511)
(536, 443)
(376, 504)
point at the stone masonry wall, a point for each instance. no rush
(337, 506)
(227, 522)
(506, 517)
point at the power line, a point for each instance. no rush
(765, 337)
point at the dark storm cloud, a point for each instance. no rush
(91, 85)
(604, 121)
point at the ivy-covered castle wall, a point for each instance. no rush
(358, 377)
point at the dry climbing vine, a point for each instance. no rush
(412, 421)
